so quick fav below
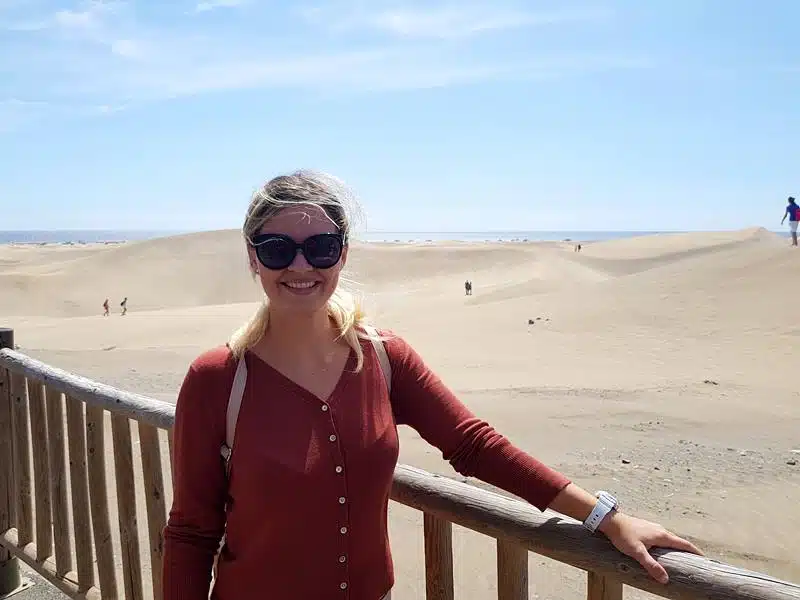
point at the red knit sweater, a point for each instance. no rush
(310, 479)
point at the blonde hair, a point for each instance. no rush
(308, 188)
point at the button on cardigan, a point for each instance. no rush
(304, 511)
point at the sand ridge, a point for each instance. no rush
(676, 353)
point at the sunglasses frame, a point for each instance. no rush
(259, 240)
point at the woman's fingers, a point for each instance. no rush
(678, 543)
(655, 570)
(667, 539)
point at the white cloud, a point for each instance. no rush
(21, 26)
(438, 19)
(215, 4)
(16, 113)
(105, 56)
(128, 48)
(91, 14)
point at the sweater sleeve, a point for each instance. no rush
(197, 518)
(473, 447)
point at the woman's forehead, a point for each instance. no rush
(300, 221)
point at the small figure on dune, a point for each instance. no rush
(468, 288)
(105, 308)
(793, 212)
(124, 305)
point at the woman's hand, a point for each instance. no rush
(635, 537)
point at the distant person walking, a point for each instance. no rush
(124, 305)
(468, 288)
(105, 308)
(793, 212)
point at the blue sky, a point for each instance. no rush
(442, 115)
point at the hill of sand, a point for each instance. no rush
(677, 353)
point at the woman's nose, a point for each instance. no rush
(300, 263)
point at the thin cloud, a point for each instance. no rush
(210, 5)
(101, 57)
(16, 113)
(439, 20)
(90, 15)
(23, 26)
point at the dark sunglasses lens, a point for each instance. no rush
(276, 253)
(323, 251)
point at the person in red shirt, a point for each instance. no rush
(793, 212)
(301, 503)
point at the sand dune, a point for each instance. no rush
(677, 351)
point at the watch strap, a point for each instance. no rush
(604, 505)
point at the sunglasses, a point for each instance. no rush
(277, 251)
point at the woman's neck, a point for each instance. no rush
(301, 335)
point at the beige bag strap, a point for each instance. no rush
(383, 357)
(232, 414)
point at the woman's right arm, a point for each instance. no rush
(197, 517)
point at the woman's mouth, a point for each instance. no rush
(301, 287)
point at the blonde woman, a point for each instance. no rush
(302, 503)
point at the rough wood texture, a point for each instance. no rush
(46, 568)
(438, 535)
(22, 458)
(6, 454)
(101, 523)
(41, 471)
(549, 534)
(512, 571)
(154, 497)
(134, 406)
(9, 572)
(602, 588)
(81, 515)
(126, 501)
(58, 483)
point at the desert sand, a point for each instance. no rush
(662, 368)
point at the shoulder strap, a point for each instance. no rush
(383, 357)
(232, 414)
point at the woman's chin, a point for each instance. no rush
(293, 301)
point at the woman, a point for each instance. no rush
(303, 506)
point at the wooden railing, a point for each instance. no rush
(57, 499)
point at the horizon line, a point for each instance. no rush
(495, 230)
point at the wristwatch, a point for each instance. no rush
(606, 503)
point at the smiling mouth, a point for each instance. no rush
(300, 285)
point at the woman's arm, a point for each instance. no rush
(421, 400)
(197, 517)
(471, 445)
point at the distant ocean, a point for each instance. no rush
(111, 236)
(77, 236)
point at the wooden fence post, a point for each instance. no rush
(10, 578)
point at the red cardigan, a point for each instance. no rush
(310, 479)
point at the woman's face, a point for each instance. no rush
(299, 286)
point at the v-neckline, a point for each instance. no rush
(305, 391)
